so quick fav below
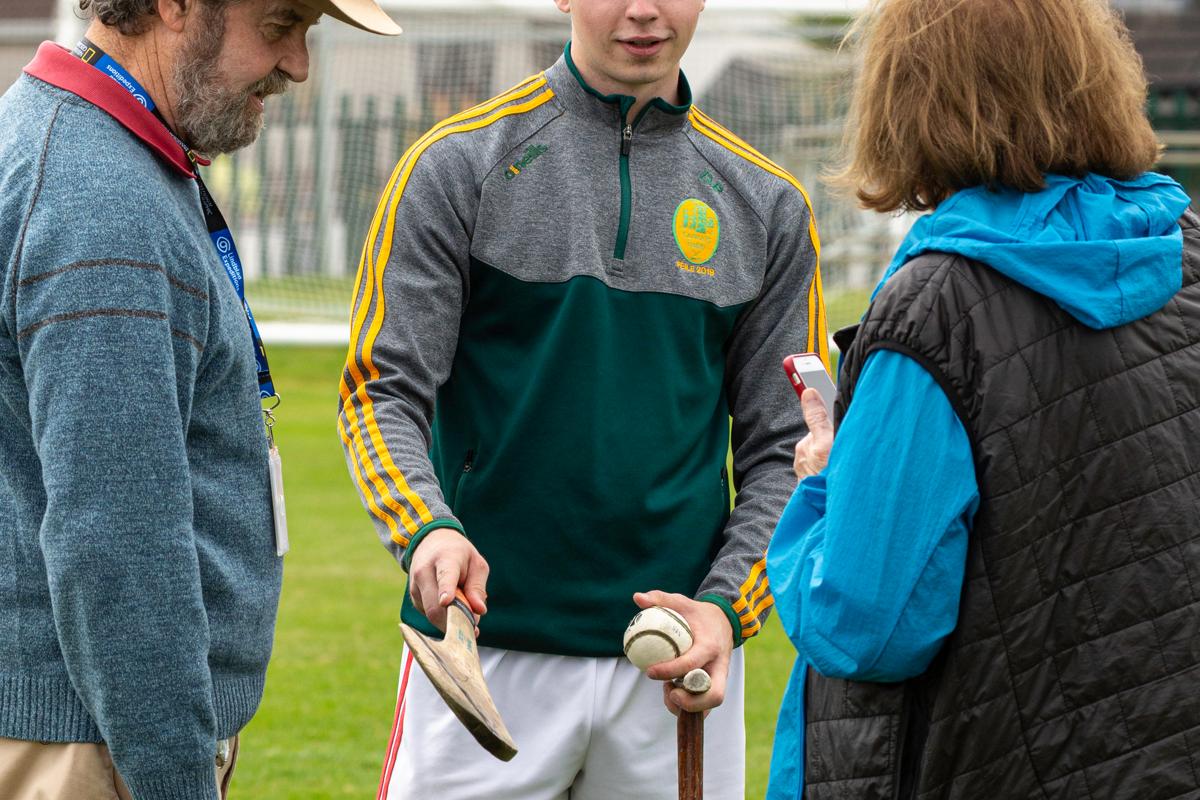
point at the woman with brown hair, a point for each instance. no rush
(993, 577)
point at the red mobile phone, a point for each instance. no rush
(806, 370)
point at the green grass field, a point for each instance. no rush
(331, 686)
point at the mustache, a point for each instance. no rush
(275, 83)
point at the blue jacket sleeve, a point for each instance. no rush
(868, 559)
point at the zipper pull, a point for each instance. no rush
(626, 140)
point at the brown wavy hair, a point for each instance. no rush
(132, 17)
(961, 93)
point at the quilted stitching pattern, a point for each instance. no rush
(1074, 669)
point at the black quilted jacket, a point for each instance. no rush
(1074, 671)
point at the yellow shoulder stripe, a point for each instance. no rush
(522, 89)
(360, 367)
(725, 133)
(818, 340)
(366, 260)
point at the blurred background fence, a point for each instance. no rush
(1175, 112)
(301, 199)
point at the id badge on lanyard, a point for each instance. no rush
(226, 250)
(278, 508)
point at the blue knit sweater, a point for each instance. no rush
(138, 577)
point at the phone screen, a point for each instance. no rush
(807, 371)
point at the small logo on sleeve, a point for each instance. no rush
(697, 230)
(531, 154)
(710, 180)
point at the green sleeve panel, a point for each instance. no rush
(732, 616)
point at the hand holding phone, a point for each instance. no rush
(806, 370)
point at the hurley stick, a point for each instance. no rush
(690, 738)
(452, 665)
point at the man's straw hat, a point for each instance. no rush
(364, 14)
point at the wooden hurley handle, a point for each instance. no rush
(460, 601)
(690, 736)
(690, 733)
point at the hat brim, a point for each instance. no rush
(363, 14)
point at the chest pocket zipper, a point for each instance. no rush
(626, 193)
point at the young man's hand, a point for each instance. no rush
(445, 561)
(712, 646)
(812, 452)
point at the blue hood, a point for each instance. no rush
(1108, 252)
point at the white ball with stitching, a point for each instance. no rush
(656, 635)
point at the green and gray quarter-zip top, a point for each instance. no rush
(558, 310)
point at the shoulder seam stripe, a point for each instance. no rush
(724, 132)
(815, 343)
(731, 143)
(371, 287)
(494, 102)
(522, 89)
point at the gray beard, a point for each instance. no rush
(210, 117)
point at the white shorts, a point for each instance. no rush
(585, 729)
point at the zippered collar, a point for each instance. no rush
(577, 95)
(56, 66)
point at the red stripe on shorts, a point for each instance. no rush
(393, 748)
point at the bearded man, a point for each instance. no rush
(139, 554)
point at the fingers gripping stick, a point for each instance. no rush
(452, 666)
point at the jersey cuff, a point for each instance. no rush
(735, 624)
(424, 531)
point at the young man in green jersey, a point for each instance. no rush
(581, 280)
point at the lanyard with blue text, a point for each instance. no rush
(218, 229)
